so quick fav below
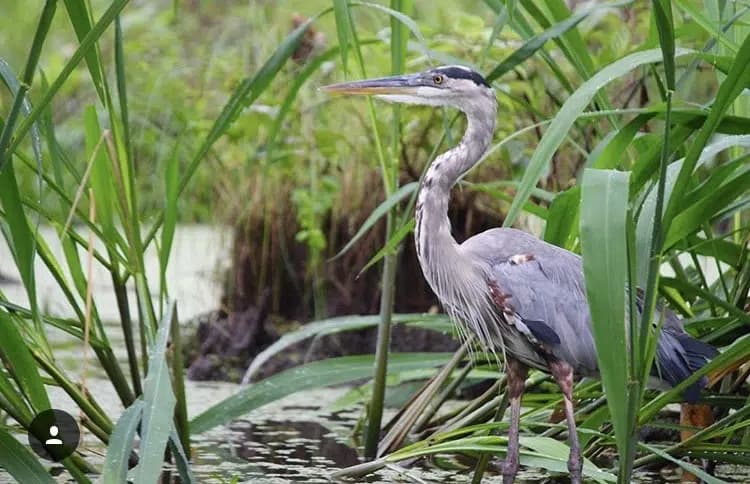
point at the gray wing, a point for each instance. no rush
(542, 286)
(542, 294)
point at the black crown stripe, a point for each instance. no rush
(463, 73)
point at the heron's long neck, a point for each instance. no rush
(436, 247)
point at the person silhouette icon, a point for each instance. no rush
(53, 431)
(54, 435)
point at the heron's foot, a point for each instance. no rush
(510, 469)
(575, 467)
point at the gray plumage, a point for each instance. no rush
(515, 293)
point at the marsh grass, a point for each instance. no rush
(665, 184)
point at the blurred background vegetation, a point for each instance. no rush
(297, 188)
(217, 104)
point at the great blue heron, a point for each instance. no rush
(515, 292)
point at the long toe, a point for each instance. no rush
(510, 469)
(575, 466)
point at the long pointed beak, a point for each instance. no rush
(384, 85)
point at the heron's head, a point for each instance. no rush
(455, 86)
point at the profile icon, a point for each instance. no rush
(53, 431)
(54, 435)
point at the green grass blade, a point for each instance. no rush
(80, 17)
(563, 218)
(20, 363)
(532, 45)
(182, 462)
(604, 202)
(299, 79)
(665, 25)
(688, 467)
(19, 96)
(121, 444)
(572, 43)
(535, 452)
(246, 93)
(122, 94)
(405, 20)
(692, 218)
(13, 401)
(731, 355)
(379, 212)
(567, 116)
(611, 155)
(438, 322)
(182, 425)
(171, 180)
(106, 19)
(343, 28)
(158, 405)
(734, 83)
(18, 234)
(20, 463)
(323, 373)
(713, 28)
(391, 245)
(102, 177)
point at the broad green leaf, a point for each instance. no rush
(20, 463)
(562, 219)
(323, 373)
(610, 156)
(158, 406)
(557, 450)
(121, 444)
(604, 205)
(568, 114)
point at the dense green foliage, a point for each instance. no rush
(622, 133)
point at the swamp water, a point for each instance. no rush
(297, 439)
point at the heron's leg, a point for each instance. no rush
(517, 373)
(563, 373)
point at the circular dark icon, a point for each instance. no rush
(54, 435)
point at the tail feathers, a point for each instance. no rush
(697, 352)
(678, 356)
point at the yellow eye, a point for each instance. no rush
(437, 79)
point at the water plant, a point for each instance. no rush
(653, 124)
